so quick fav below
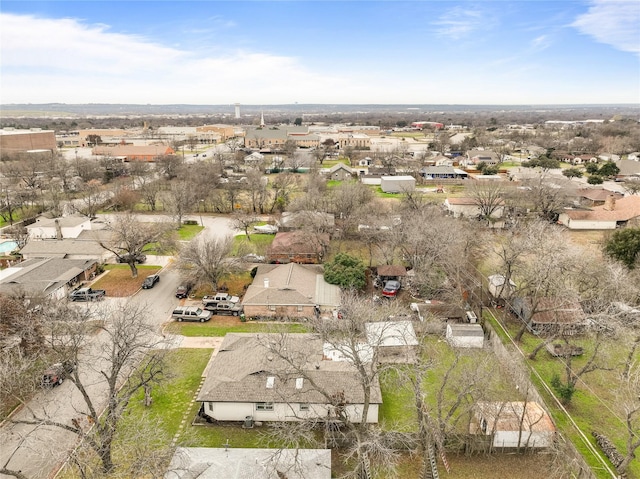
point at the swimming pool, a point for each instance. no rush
(8, 246)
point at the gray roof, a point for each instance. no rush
(63, 247)
(65, 221)
(43, 275)
(239, 371)
(240, 463)
(291, 284)
(340, 166)
(468, 330)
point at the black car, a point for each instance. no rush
(183, 290)
(139, 258)
(150, 281)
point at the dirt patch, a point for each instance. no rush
(118, 283)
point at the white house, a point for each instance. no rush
(465, 335)
(513, 424)
(248, 380)
(58, 228)
(241, 463)
(397, 184)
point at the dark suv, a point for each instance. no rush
(150, 281)
(183, 290)
(57, 373)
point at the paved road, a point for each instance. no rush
(41, 449)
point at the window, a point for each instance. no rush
(299, 308)
(304, 407)
(272, 307)
(264, 406)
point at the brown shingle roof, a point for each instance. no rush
(625, 209)
(239, 372)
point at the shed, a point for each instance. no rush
(397, 184)
(465, 335)
(513, 424)
(498, 287)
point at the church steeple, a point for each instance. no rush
(261, 119)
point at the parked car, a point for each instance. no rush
(139, 258)
(391, 289)
(57, 373)
(253, 258)
(191, 313)
(87, 294)
(183, 290)
(150, 281)
(211, 300)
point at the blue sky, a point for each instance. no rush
(284, 52)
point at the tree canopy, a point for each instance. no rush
(624, 246)
(345, 271)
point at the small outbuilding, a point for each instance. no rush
(513, 424)
(465, 335)
(397, 184)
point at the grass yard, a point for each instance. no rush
(218, 326)
(593, 405)
(256, 244)
(188, 232)
(117, 280)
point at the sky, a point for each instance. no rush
(483, 52)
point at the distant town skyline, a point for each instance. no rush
(320, 52)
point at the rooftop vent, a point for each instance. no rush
(271, 382)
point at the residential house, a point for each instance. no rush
(339, 172)
(254, 159)
(465, 335)
(469, 208)
(590, 197)
(482, 156)
(298, 247)
(513, 424)
(148, 153)
(550, 316)
(247, 380)
(66, 248)
(614, 213)
(580, 159)
(442, 172)
(629, 169)
(46, 277)
(58, 228)
(397, 184)
(241, 463)
(289, 291)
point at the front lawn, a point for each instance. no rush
(188, 232)
(117, 281)
(219, 326)
(256, 244)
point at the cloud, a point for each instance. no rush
(459, 22)
(614, 23)
(64, 60)
(540, 43)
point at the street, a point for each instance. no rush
(36, 451)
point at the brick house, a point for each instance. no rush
(289, 290)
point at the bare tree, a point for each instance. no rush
(489, 198)
(179, 200)
(630, 402)
(126, 358)
(207, 259)
(129, 236)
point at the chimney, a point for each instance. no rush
(58, 229)
(266, 282)
(610, 203)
